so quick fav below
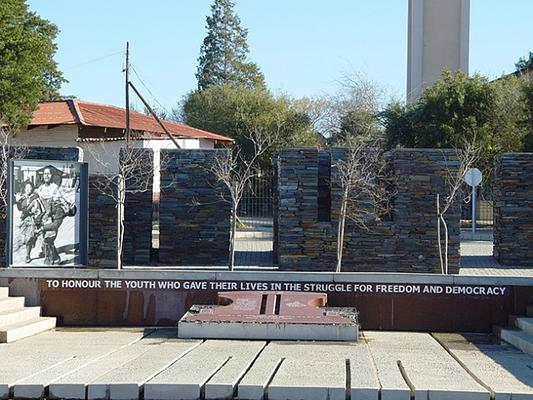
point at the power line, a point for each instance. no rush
(149, 91)
(93, 60)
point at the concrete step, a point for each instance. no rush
(253, 235)
(4, 292)
(524, 323)
(18, 315)
(11, 303)
(518, 338)
(21, 330)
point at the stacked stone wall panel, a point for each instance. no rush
(138, 212)
(194, 210)
(103, 223)
(405, 242)
(513, 209)
(419, 175)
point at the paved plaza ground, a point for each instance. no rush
(153, 364)
(477, 260)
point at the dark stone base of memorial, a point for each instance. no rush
(270, 316)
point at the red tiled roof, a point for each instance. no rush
(52, 113)
(72, 112)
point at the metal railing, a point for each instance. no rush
(257, 199)
(484, 207)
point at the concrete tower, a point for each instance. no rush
(438, 38)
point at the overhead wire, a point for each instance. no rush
(149, 91)
(93, 60)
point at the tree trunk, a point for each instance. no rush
(120, 215)
(340, 230)
(439, 239)
(445, 245)
(233, 232)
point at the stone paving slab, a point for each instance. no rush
(124, 383)
(309, 378)
(507, 371)
(187, 378)
(39, 352)
(224, 383)
(75, 384)
(253, 384)
(364, 381)
(310, 370)
(392, 384)
(38, 360)
(434, 374)
(127, 364)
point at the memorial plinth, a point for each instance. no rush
(270, 316)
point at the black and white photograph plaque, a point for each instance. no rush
(47, 213)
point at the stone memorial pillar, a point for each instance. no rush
(513, 209)
(194, 222)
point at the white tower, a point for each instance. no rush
(437, 39)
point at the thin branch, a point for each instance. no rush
(120, 174)
(454, 179)
(235, 171)
(366, 195)
(8, 151)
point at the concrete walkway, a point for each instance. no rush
(477, 260)
(253, 244)
(153, 364)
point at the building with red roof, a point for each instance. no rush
(100, 122)
(99, 131)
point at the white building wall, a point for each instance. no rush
(61, 136)
(438, 38)
(102, 156)
(158, 145)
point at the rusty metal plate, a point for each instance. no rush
(268, 307)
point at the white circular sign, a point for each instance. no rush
(473, 176)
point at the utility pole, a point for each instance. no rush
(150, 110)
(154, 114)
(127, 70)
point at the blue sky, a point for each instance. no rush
(302, 46)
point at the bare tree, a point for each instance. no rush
(355, 94)
(8, 151)
(235, 172)
(466, 157)
(365, 187)
(119, 174)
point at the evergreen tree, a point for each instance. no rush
(524, 64)
(456, 108)
(28, 72)
(224, 52)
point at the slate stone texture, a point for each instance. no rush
(404, 240)
(513, 209)
(103, 220)
(194, 225)
(138, 212)
(419, 175)
(37, 153)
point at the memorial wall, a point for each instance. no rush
(513, 209)
(195, 218)
(419, 302)
(138, 218)
(404, 240)
(194, 222)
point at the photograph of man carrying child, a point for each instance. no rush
(45, 220)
